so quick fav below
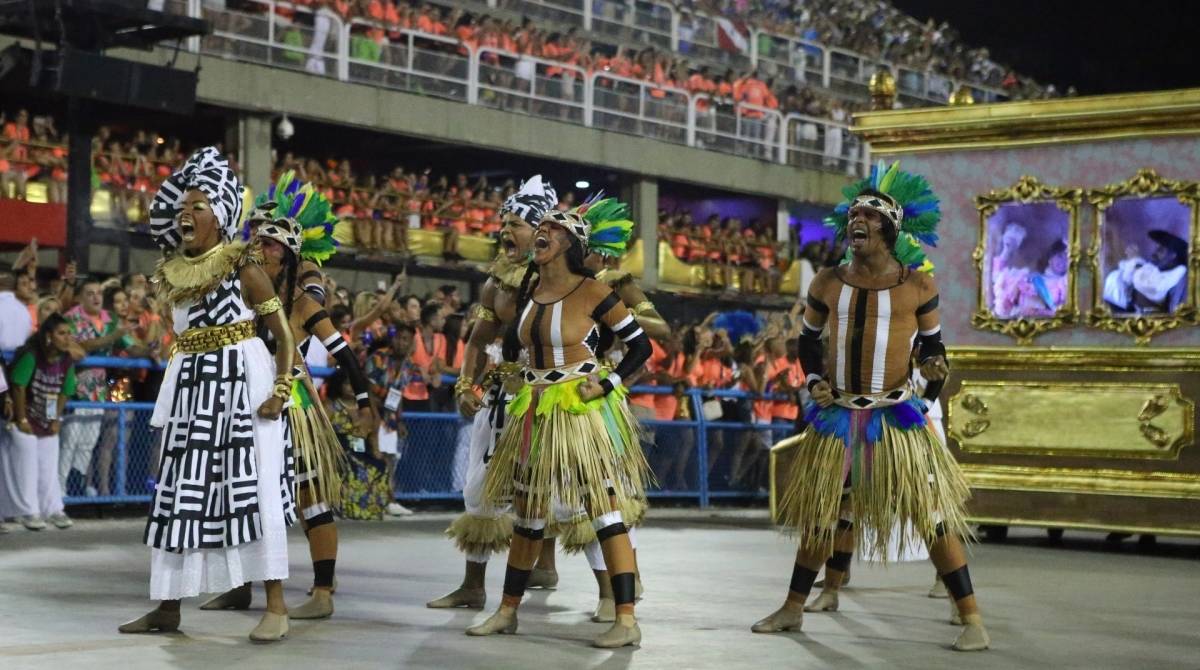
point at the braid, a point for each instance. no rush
(512, 340)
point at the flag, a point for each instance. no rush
(732, 36)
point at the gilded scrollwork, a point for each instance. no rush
(1027, 190)
(1143, 326)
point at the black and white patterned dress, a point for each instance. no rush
(224, 500)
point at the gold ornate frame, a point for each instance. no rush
(1145, 184)
(1028, 190)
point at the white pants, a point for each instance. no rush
(80, 433)
(29, 476)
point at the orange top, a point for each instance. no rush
(422, 358)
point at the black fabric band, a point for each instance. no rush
(802, 579)
(637, 352)
(629, 329)
(933, 390)
(323, 573)
(515, 580)
(840, 561)
(323, 519)
(348, 362)
(812, 357)
(608, 532)
(817, 305)
(317, 292)
(314, 320)
(958, 583)
(928, 306)
(622, 588)
(534, 534)
(607, 385)
(845, 524)
(605, 305)
(930, 346)
(940, 529)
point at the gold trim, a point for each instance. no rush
(269, 306)
(1076, 359)
(1162, 397)
(212, 338)
(1086, 481)
(1027, 190)
(1145, 184)
(1078, 525)
(1032, 123)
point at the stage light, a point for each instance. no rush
(582, 183)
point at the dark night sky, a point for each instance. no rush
(1145, 45)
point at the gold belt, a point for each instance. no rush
(212, 338)
(500, 373)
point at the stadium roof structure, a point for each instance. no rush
(95, 25)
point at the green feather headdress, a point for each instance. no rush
(321, 233)
(610, 226)
(916, 211)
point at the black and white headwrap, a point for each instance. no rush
(208, 171)
(531, 202)
(573, 223)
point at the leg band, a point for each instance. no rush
(322, 519)
(515, 580)
(530, 529)
(958, 583)
(940, 529)
(840, 561)
(802, 579)
(312, 512)
(608, 532)
(607, 520)
(622, 586)
(845, 524)
(323, 573)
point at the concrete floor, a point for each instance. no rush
(708, 577)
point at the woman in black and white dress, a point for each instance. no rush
(223, 501)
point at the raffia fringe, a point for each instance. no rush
(481, 534)
(574, 461)
(317, 447)
(898, 491)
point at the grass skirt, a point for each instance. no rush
(477, 535)
(321, 462)
(559, 450)
(898, 471)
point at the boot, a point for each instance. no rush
(313, 588)
(606, 611)
(473, 599)
(504, 621)
(318, 606)
(785, 618)
(542, 579)
(938, 590)
(271, 628)
(820, 583)
(973, 636)
(624, 632)
(155, 620)
(955, 617)
(237, 598)
(826, 602)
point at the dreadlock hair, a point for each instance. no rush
(575, 255)
(285, 288)
(890, 231)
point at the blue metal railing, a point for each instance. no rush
(423, 473)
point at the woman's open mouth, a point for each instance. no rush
(540, 242)
(508, 243)
(187, 229)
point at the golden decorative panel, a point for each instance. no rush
(1105, 420)
(1088, 481)
(1076, 359)
(1025, 200)
(1145, 185)
(1031, 122)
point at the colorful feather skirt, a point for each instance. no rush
(559, 451)
(320, 461)
(893, 468)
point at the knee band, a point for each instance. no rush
(608, 532)
(515, 580)
(323, 573)
(840, 561)
(940, 529)
(531, 529)
(480, 557)
(314, 512)
(595, 556)
(317, 520)
(958, 583)
(802, 579)
(845, 524)
(623, 589)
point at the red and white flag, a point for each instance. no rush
(732, 36)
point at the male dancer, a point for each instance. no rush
(483, 530)
(868, 454)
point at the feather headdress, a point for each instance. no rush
(609, 224)
(910, 205)
(320, 231)
(739, 325)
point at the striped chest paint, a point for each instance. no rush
(871, 336)
(575, 328)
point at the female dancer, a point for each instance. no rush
(223, 500)
(571, 439)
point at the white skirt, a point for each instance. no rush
(194, 571)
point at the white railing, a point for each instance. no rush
(271, 35)
(407, 59)
(823, 144)
(535, 86)
(639, 107)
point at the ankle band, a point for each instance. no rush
(840, 561)
(622, 587)
(958, 583)
(802, 579)
(323, 573)
(515, 580)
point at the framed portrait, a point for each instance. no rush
(1027, 258)
(1142, 253)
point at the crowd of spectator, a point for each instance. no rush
(406, 342)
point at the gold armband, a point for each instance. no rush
(484, 314)
(463, 386)
(643, 307)
(269, 307)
